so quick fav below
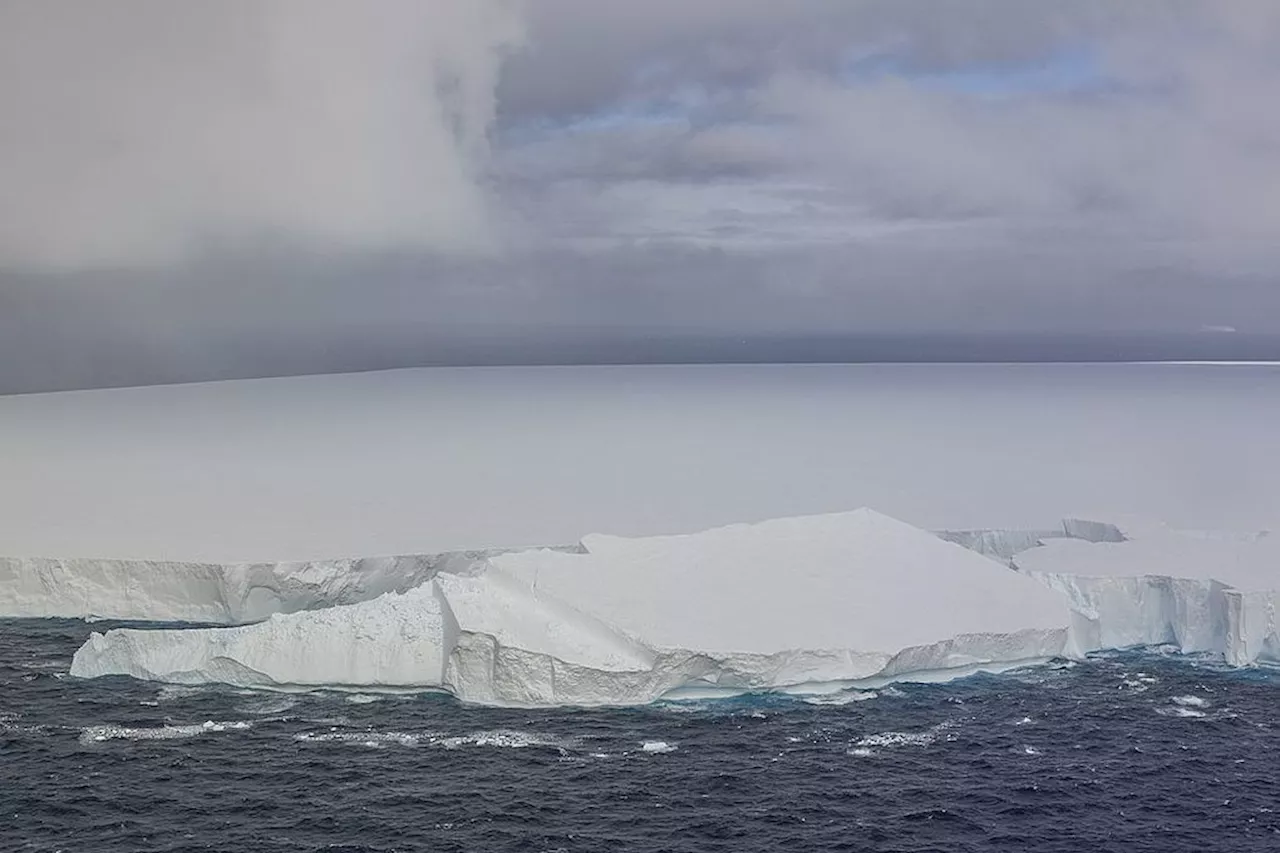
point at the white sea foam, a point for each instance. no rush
(505, 739)
(1180, 711)
(12, 724)
(846, 697)
(365, 738)
(99, 734)
(890, 740)
(658, 747)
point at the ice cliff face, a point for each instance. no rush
(1201, 592)
(394, 640)
(1004, 545)
(802, 605)
(215, 593)
(798, 604)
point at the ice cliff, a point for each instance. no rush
(1004, 545)
(1202, 592)
(214, 593)
(808, 604)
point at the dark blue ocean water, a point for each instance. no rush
(1133, 752)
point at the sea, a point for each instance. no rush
(1135, 751)
(1140, 751)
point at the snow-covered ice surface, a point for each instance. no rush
(856, 582)
(807, 605)
(1201, 591)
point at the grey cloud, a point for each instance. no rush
(1175, 141)
(585, 55)
(275, 187)
(138, 131)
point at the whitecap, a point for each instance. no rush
(1180, 711)
(99, 734)
(503, 738)
(846, 697)
(368, 739)
(9, 724)
(658, 747)
(1190, 701)
(896, 739)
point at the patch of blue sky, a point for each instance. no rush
(678, 108)
(1067, 72)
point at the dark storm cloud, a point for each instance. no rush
(250, 187)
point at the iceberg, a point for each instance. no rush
(811, 606)
(1200, 591)
(211, 593)
(806, 605)
(393, 641)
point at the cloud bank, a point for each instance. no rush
(279, 186)
(140, 132)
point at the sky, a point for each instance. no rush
(260, 187)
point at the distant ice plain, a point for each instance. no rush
(430, 460)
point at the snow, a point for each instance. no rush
(1201, 591)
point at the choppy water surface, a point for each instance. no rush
(1127, 752)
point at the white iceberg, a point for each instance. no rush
(805, 605)
(1202, 592)
(396, 640)
(214, 593)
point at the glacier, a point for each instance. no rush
(812, 605)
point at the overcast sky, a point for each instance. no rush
(261, 186)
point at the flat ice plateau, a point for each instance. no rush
(806, 605)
